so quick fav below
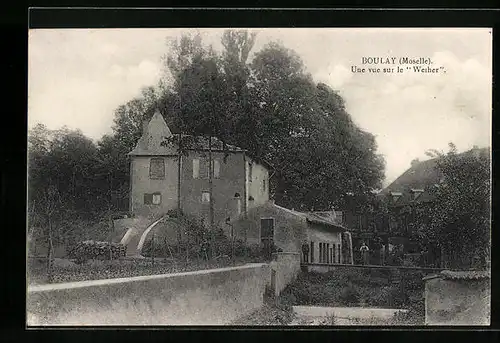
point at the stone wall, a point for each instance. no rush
(454, 298)
(284, 270)
(289, 229)
(207, 297)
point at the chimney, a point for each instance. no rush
(145, 124)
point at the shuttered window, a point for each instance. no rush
(205, 197)
(157, 169)
(196, 168)
(204, 168)
(156, 198)
(152, 198)
(216, 169)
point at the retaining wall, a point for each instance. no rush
(284, 269)
(207, 297)
(460, 300)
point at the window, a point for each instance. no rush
(267, 228)
(201, 171)
(148, 199)
(312, 252)
(393, 224)
(216, 169)
(157, 169)
(196, 168)
(205, 197)
(396, 196)
(250, 171)
(264, 185)
(324, 253)
(152, 199)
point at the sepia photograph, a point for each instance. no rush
(320, 177)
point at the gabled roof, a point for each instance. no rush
(202, 143)
(151, 140)
(319, 218)
(157, 139)
(423, 178)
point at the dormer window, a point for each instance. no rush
(395, 196)
(416, 193)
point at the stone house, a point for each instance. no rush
(408, 198)
(289, 230)
(162, 179)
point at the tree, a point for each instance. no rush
(64, 185)
(318, 153)
(269, 105)
(459, 218)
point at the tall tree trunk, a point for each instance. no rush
(179, 160)
(211, 210)
(49, 252)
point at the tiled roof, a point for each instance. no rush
(422, 176)
(325, 218)
(202, 143)
(158, 140)
(320, 220)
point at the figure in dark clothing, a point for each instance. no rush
(305, 252)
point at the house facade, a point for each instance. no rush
(164, 177)
(408, 199)
(290, 230)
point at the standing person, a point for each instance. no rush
(305, 252)
(364, 252)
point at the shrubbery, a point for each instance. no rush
(353, 287)
(350, 295)
(95, 250)
(198, 242)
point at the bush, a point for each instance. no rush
(95, 250)
(350, 295)
(414, 316)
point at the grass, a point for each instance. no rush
(365, 288)
(275, 311)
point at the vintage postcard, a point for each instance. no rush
(277, 176)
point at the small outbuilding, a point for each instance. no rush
(317, 236)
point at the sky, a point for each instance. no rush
(78, 77)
